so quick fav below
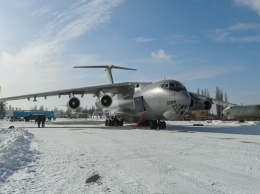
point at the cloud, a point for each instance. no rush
(182, 39)
(143, 39)
(241, 33)
(161, 56)
(42, 60)
(41, 11)
(252, 4)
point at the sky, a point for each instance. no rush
(201, 43)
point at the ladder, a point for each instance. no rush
(140, 119)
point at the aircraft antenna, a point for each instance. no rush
(108, 69)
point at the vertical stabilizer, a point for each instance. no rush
(108, 69)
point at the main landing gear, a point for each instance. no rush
(114, 122)
(154, 124)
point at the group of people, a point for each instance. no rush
(40, 120)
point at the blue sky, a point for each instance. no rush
(201, 43)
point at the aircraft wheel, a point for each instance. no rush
(164, 124)
(161, 124)
(153, 124)
(109, 122)
(106, 122)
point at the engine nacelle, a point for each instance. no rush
(192, 102)
(104, 101)
(200, 105)
(207, 105)
(73, 103)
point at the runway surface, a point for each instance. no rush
(217, 157)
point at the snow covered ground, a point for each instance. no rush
(219, 157)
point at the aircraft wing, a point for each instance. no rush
(212, 100)
(108, 88)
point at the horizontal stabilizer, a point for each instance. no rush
(108, 68)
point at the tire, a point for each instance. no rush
(153, 124)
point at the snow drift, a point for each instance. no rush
(15, 151)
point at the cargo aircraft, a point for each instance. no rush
(242, 112)
(146, 103)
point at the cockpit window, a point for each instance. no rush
(173, 85)
(164, 85)
(176, 84)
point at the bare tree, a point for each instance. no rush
(2, 107)
(221, 97)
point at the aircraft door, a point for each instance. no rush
(139, 104)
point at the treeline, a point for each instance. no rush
(3, 107)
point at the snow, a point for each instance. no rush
(219, 157)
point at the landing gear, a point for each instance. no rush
(161, 124)
(154, 124)
(114, 122)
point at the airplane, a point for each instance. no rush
(147, 103)
(242, 112)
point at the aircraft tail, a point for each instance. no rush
(107, 68)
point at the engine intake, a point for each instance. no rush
(106, 100)
(73, 103)
(207, 105)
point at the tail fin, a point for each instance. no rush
(107, 68)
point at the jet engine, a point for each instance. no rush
(73, 103)
(192, 102)
(104, 101)
(200, 105)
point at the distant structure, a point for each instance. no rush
(28, 115)
(242, 112)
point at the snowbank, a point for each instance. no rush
(15, 151)
(215, 123)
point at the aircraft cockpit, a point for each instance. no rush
(173, 85)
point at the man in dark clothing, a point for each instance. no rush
(38, 119)
(43, 120)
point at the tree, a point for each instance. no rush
(41, 108)
(2, 107)
(226, 97)
(221, 97)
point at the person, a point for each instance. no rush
(38, 119)
(43, 120)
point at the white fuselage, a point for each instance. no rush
(158, 101)
(248, 111)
